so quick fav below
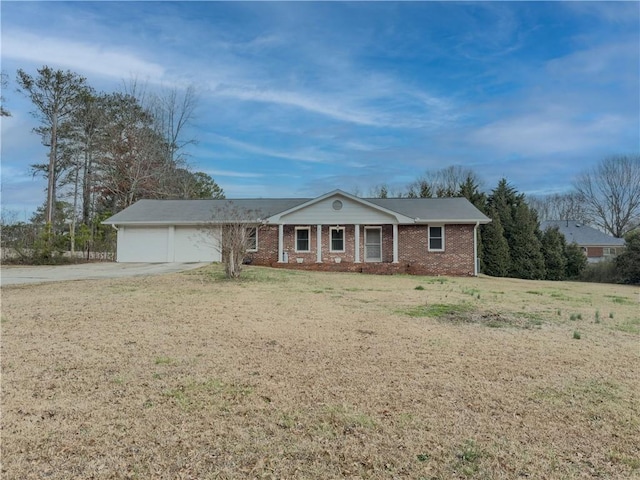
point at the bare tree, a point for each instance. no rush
(610, 193)
(131, 163)
(445, 182)
(233, 231)
(173, 111)
(559, 206)
(380, 191)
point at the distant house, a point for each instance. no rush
(336, 231)
(596, 245)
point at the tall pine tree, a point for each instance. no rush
(495, 252)
(525, 246)
(521, 231)
(553, 248)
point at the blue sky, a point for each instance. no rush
(297, 99)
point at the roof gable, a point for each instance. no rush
(338, 207)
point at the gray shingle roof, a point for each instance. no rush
(582, 234)
(432, 209)
(189, 212)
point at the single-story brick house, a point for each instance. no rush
(596, 245)
(335, 231)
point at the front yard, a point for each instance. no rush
(291, 374)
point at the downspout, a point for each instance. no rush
(475, 249)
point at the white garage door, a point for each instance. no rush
(167, 244)
(143, 244)
(194, 245)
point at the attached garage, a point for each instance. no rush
(158, 244)
(160, 231)
(191, 244)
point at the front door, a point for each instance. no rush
(373, 244)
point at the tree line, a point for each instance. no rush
(107, 150)
(513, 245)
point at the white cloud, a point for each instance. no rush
(607, 59)
(304, 155)
(82, 57)
(230, 173)
(311, 103)
(546, 134)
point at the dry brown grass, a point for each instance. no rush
(316, 375)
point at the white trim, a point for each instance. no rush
(429, 227)
(318, 243)
(357, 243)
(295, 240)
(344, 239)
(376, 260)
(395, 243)
(400, 218)
(280, 243)
(253, 249)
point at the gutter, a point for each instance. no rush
(423, 221)
(475, 249)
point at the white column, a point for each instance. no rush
(280, 243)
(395, 243)
(357, 236)
(318, 243)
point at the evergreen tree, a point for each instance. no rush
(470, 190)
(525, 247)
(576, 261)
(503, 200)
(495, 255)
(628, 262)
(553, 249)
(521, 231)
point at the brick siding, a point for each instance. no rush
(413, 256)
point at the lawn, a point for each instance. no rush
(290, 374)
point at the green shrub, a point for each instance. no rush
(601, 272)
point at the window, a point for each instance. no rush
(252, 239)
(436, 239)
(608, 251)
(302, 239)
(337, 239)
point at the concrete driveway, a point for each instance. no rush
(18, 275)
